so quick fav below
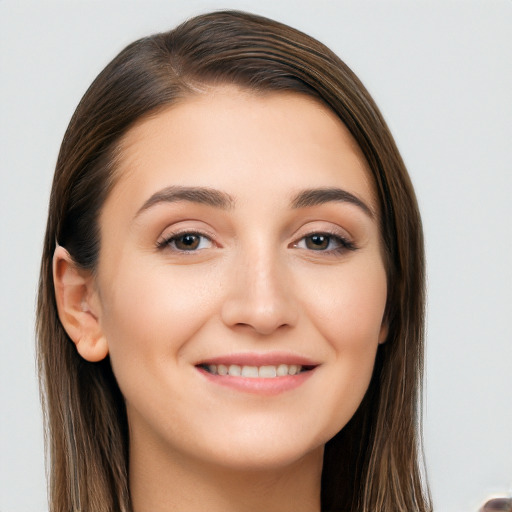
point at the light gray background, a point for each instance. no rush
(441, 73)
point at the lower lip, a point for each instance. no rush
(259, 386)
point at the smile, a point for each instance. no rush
(261, 374)
(253, 372)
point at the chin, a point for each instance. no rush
(265, 460)
(263, 451)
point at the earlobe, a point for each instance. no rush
(384, 331)
(78, 306)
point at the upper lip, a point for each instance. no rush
(259, 359)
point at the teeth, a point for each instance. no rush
(282, 370)
(293, 369)
(249, 371)
(234, 370)
(265, 372)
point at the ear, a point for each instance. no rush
(384, 331)
(78, 306)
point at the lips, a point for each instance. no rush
(253, 372)
(267, 374)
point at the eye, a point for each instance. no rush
(186, 242)
(324, 242)
(318, 242)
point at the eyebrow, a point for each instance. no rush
(318, 196)
(201, 195)
(218, 199)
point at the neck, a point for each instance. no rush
(160, 482)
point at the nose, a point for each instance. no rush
(260, 295)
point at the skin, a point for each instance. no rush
(255, 284)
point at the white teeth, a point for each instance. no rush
(293, 369)
(265, 372)
(235, 370)
(282, 370)
(249, 371)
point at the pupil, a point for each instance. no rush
(318, 242)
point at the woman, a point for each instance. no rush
(231, 300)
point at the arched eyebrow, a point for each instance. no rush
(316, 196)
(201, 195)
(218, 199)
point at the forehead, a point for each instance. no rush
(225, 136)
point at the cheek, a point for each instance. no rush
(349, 308)
(348, 311)
(151, 314)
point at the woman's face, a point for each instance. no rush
(240, 279)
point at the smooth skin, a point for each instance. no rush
(186, 275)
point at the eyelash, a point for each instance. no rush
(343, 244)
(172, 238)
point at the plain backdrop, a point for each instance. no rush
(441, 74)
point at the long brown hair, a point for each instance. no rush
(372, 464)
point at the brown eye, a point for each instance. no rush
(325, 242)
(317, 242)
(186, 242)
